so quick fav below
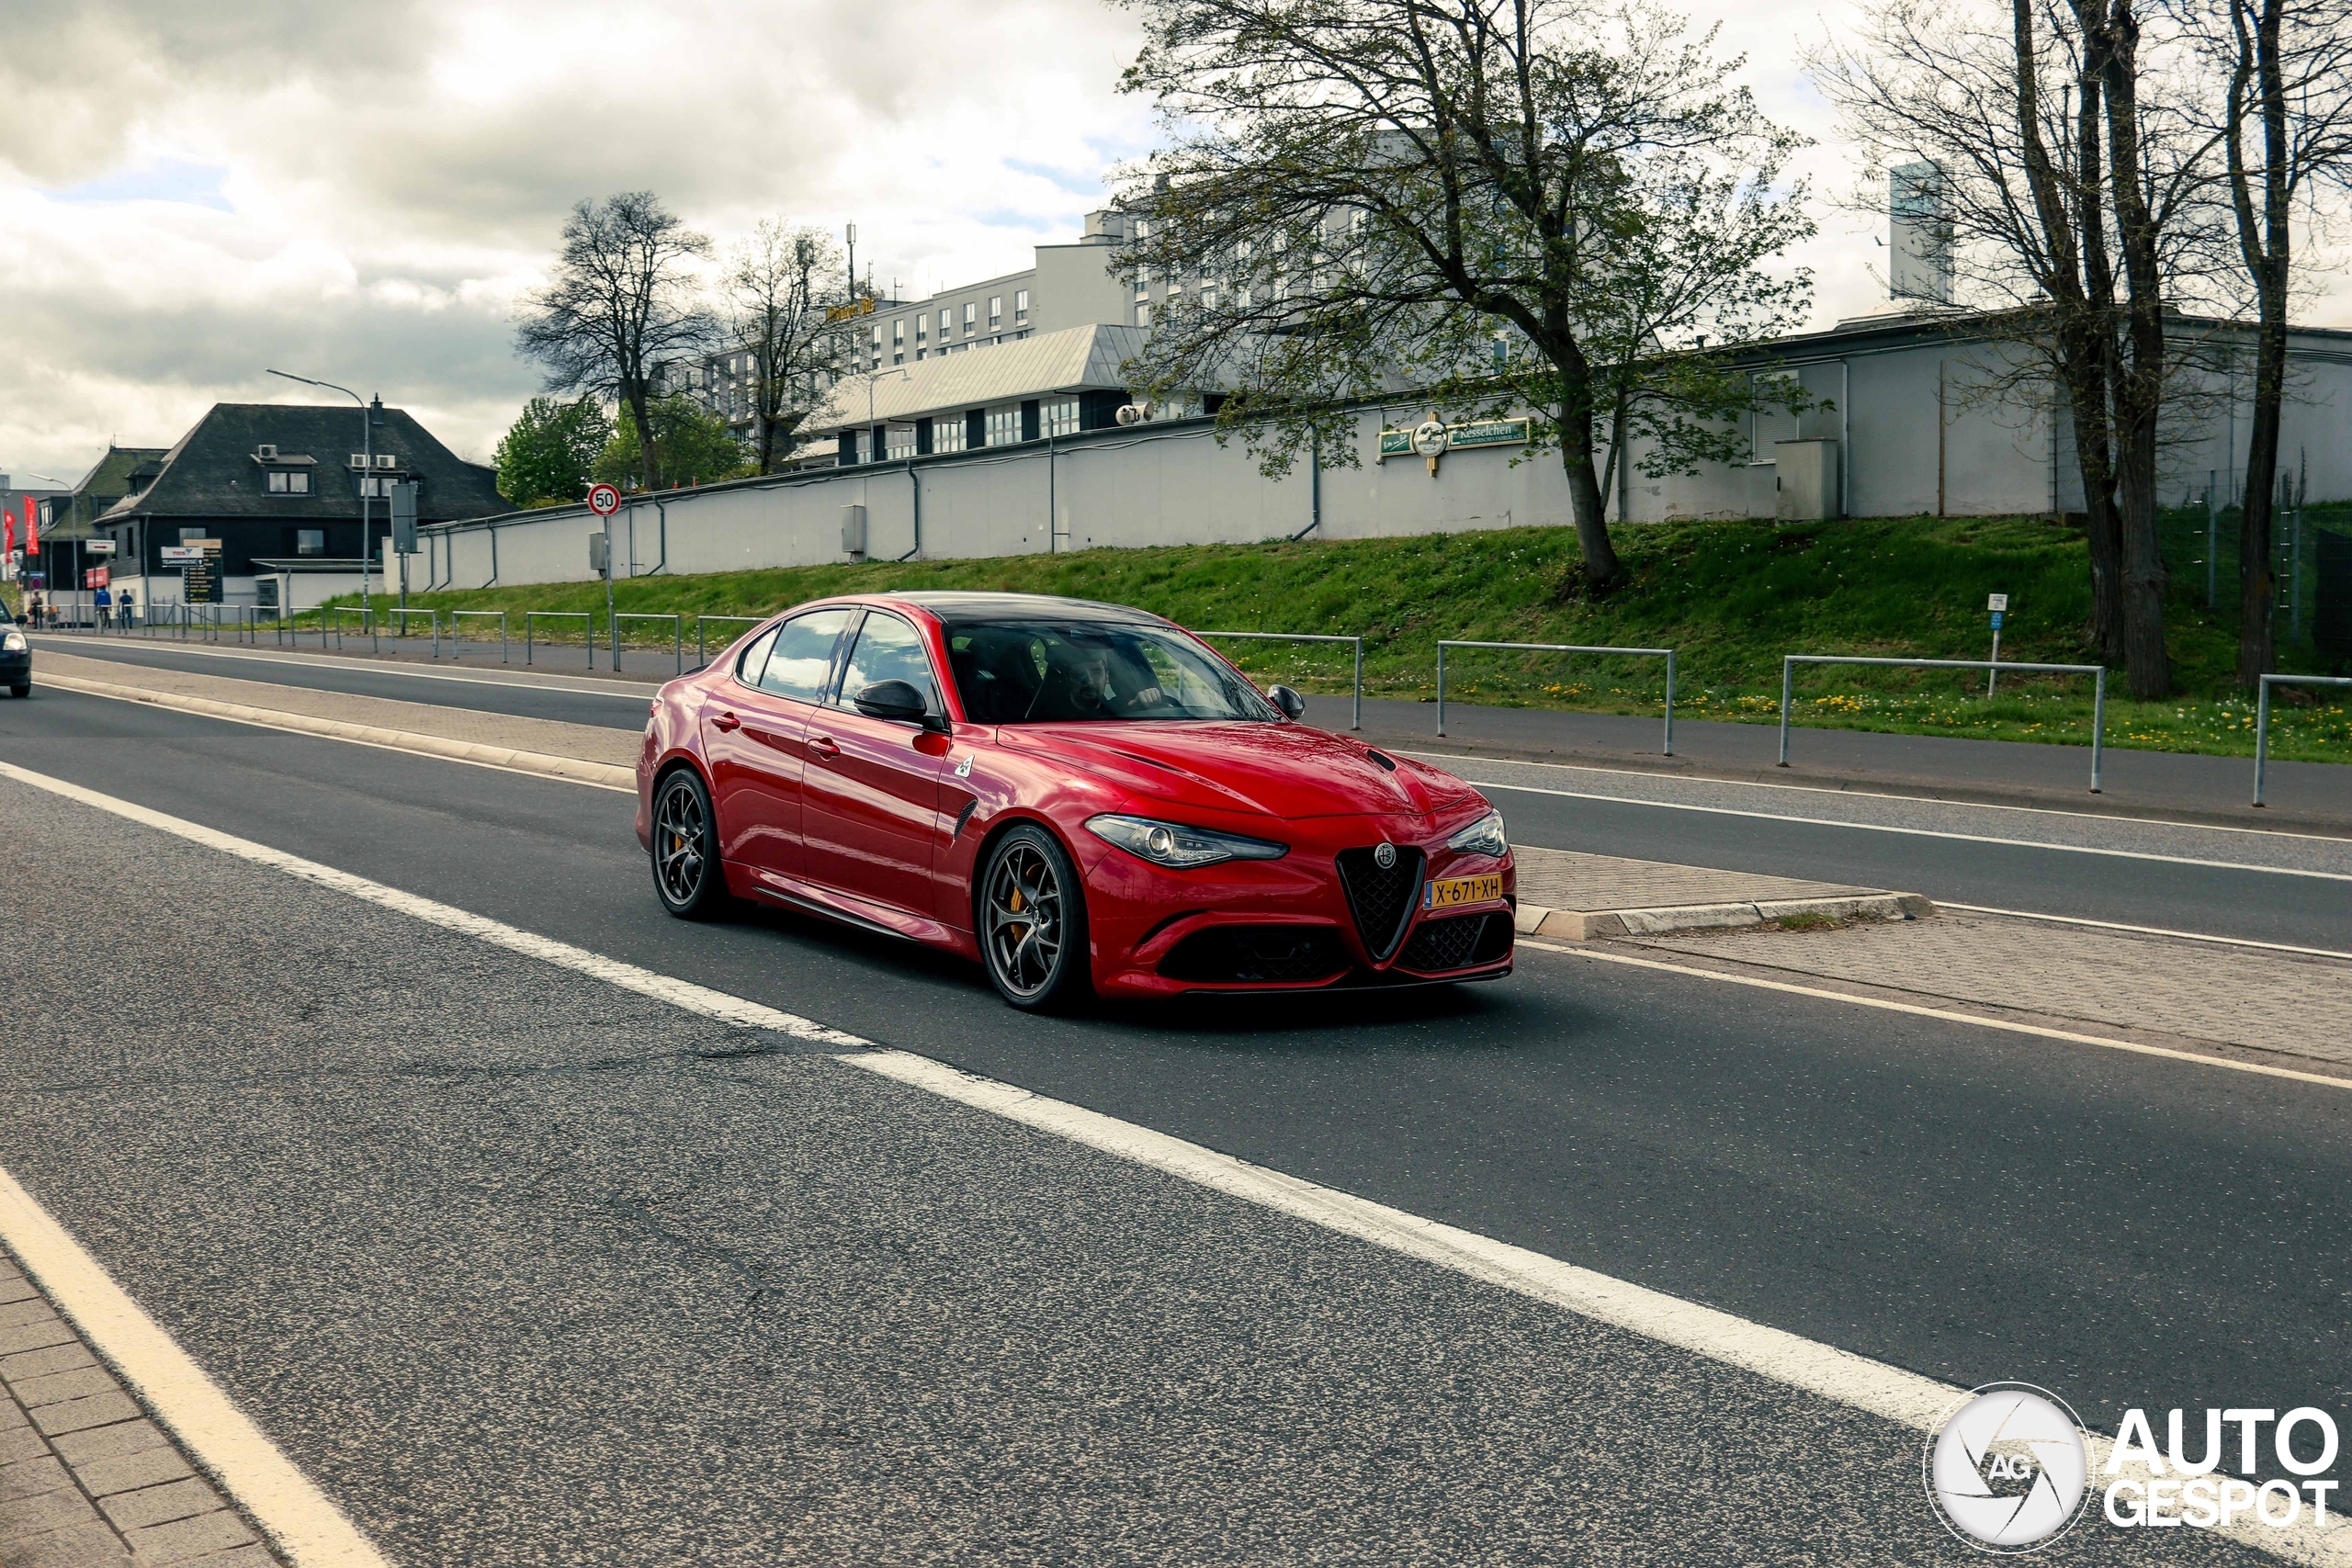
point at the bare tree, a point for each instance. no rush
(1504, 203)
(622, 305)
(780, 284)
(2285, 124)
(2027, 109)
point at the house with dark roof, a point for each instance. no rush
(281, 487)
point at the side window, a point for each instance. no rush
(804, 654)
(889, 649)
(754, 658)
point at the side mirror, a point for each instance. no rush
(896, 701)
(1290, 702)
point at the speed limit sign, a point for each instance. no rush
(603, 499)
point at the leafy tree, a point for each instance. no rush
(779, 285)
(1511, 203)
(689, 444)
(550, 450)
(622, 303)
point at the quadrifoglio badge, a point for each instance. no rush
(2008, 1472)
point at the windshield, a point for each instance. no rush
(1034, 672)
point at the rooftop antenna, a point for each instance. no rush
(853, 259)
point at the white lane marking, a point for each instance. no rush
(2146, 931)
(57, 682)
(1807, 1365)
(1921, 832)
(1916, 1009)
(299, 1519)
(2061, 812)
(512, 682)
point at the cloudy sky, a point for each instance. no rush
(192, 193)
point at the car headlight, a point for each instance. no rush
(1173, 844)
(1483, 837)
(14, 642)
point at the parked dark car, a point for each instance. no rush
(15, 656)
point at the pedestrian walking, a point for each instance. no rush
(129, 608)
(104, 603)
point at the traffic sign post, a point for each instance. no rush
(604, 501)
(1998, 604)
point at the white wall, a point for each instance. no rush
(1923, 428)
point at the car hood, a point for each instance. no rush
(1281, 770)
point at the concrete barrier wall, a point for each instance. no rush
(1921, 429)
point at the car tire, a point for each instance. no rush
(686, 872)
(1036, 965)
(21, 693)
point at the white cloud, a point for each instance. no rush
(359, 192)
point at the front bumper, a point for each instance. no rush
(1289, 924)
(15, 668)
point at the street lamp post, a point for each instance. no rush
(53, 479)
(371, 416)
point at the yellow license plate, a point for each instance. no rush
(1455, 891)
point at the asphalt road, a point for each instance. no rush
(516, 1269)
(492, 688)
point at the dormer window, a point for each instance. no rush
(289, 482)
(386, 460)
(267, 452)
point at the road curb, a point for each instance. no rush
(572, 770)
(1599, 925)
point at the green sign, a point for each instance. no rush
(1481, 432)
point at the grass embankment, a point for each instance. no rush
(1731, 597)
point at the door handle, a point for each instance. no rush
(727, 721)
(823, 746)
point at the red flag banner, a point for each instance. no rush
(8, 531)
(32, 529)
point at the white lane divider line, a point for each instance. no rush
(1840, 1376)
(1653, 775)
(1884, 1004)
(300, 1521)
(1932, 833)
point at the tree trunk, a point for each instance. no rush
(649, 474)
(1588, 506)
(2095, 461)
(2264, 244)
(2138, 385)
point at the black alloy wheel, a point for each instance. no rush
(1033, 922)
(685, 849)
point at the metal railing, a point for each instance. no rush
(677, 635)
(1356, 721)
(702, 659)
(367, 624)
(2098, 698)
(2262, 716)
(585, 617)
(1664, 653)
(500, 616)
(400, 616)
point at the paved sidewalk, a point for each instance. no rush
(1567, 893)
(2282, 1002)
(587, 742)
(87, 1479)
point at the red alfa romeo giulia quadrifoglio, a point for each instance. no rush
(1081, 796)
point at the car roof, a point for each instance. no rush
(958, 608)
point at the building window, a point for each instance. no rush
(946, 323)
(1208, 299)
(1058, 416)
(1004, 426)
(288, 481)
(947, 432)
(923, 324)
(899, 442)
(899, 331)
(1142, 286)
(996, 312)
(919, 354)
(310, 541)
(1020, 305)
(897, 359)
(1143, 315)
(971, 318)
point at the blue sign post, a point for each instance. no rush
(1998, 604)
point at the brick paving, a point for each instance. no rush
(2232, 996)
(87, 1479)
(1570, 879)
(589, 743)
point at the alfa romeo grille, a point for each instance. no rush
(1382, 901)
